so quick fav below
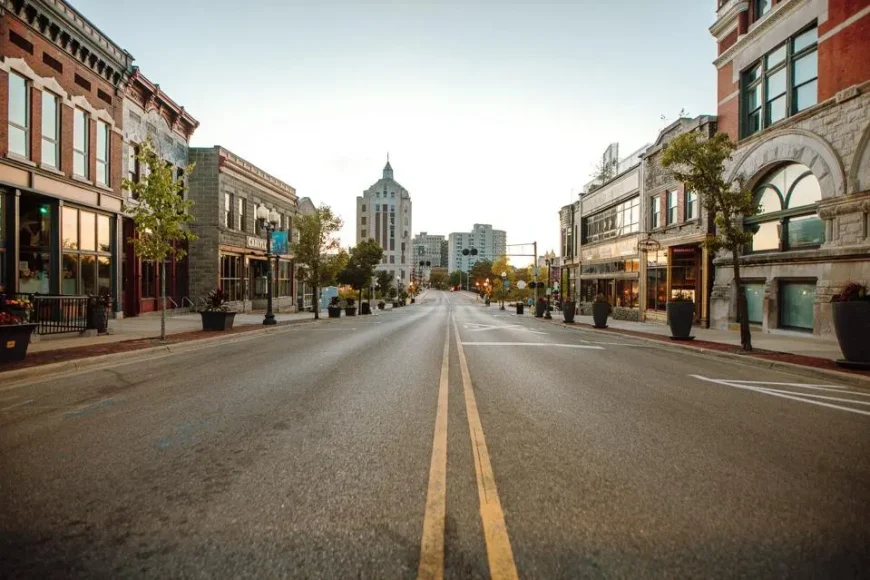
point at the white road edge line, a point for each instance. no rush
(582, 346)
(776, 394)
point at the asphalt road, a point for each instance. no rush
(348, 449)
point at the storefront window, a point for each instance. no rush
(3, 281)
(787, 217)
(684, 272)
(87, 241)
(259, 278)
(149, 279)
(796, 305)
(232, 277)
(34, 259)
(754, 302)
(285, 278)
(626, 293)
(657, 281)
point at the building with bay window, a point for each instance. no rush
(673, 259)
(610, 227)
(794, 92)
(61, 135)
(149, 114)
(230, 252)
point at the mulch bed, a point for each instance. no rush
(798, 359)
(79, 352)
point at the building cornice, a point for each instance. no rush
(149, 96)
(228, 162)
(63, 26)
(726, 16)
(759, 29)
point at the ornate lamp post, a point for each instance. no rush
(269, 220)
(503, 289)
(548, 261)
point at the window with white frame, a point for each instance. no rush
(691, 205)
(50, 130)
(672, 207)
(19, 116)
(103, 136)
(80, 143)
(655, 212)
(228, 210)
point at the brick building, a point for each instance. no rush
(61, 120)
(150, 114)
(794, 92)
(674, 260)
(231, 250)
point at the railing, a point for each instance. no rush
(58, 314)
(190, 305)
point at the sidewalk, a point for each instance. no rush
(145, 327)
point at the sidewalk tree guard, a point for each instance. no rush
(161, 214)
(699, 164)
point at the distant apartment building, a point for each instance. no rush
(794, 92)
(490, 245)
(426, 254)
(383, 213)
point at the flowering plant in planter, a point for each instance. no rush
(852, 292)
(217, 315)
(216, 301)
(17, 308)
(14, 329)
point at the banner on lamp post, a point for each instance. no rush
(279, 243)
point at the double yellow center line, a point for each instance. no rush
(498, 547)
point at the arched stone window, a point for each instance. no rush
(787, 218)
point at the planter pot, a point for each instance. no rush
(395, 304)
(217, 320)
(350, 310)
(381, 305)
(520, 308)
(568, 309)
(413, 300)
(600, 312)
(14, 340)
(852, 325)
(98, 316)
(540, 308)
(334, 311)
(365, 308)
(681, 315)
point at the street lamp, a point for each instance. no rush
(398, 289)
(269, 220)
(548, 260)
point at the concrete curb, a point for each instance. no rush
(747, 360)
(53, 370)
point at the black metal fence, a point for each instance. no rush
(57, 314)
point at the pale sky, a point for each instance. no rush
(492, 112)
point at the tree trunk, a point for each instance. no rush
(163, 299)
(315, 297)
(742, 307)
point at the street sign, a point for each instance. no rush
(556, 286)
(521, 284)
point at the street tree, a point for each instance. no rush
(455, 278)
(360, 267)
(161, 215)
(480, 271)
(438, 280)
(700, 164)
(386, 282)
(317, 249)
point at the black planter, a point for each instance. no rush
(520, 308)
(600, 312)
(413, 300)
(365, 308)
(98, 315)
(540, 308)
(217, 320)
(334, 311)
(852, 325)
(350, 310)
(14, 340)
(381, 305)
(568, 311)
(681, 315)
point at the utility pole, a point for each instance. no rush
(535, 271)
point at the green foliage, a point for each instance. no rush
(162, 215)
(700, 164)
(360, 268)
(480, 271)
(385, 282)
(439, 280)
(455, 278)
(216, 301)
(317, 249)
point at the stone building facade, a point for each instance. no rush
(491, 244)
(150, 114)
(61, 130)
(569, 230)
(384, 214)
(794, 92)
(610, 228)
(230, 251)
(673, 259)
